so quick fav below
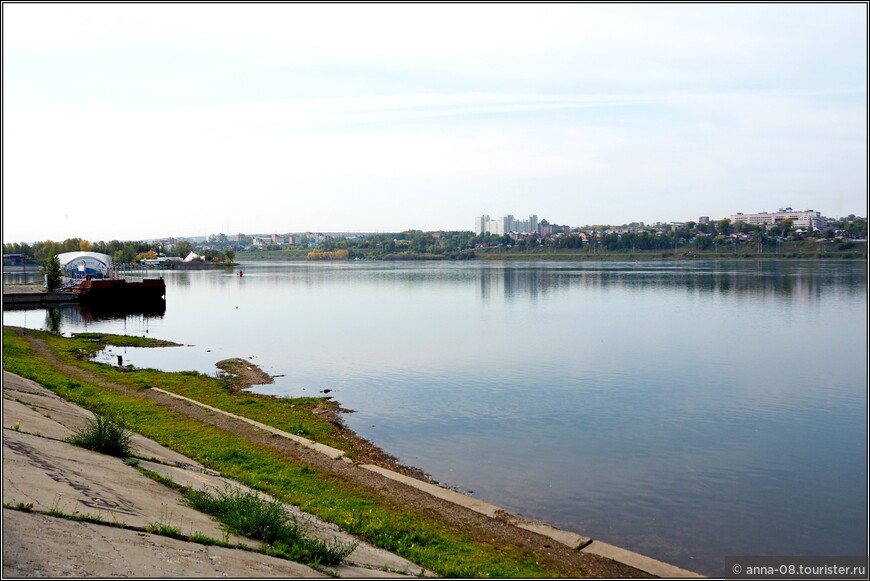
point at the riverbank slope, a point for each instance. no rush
(432, 518)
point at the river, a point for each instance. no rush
(685, 410)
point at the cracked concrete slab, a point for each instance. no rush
(41, 546)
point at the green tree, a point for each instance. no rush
(857, 228)
(703, 242)
(182, 248)
(51, 268)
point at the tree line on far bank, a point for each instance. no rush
(721, 235)
(127, 252)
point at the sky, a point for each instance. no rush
(135, 121)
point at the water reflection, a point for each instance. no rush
(22, 275)
(73, 315)
(779, 279)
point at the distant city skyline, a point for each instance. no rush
(136, 120)
(508, 223)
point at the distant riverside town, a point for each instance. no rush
(787, 233)
(793, 222)
(805, 221)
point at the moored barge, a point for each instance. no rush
(108, 290)
(91, 278)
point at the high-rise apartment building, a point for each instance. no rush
(505, 225)
(480, 224)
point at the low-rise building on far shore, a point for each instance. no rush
(807, 219)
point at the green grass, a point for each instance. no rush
(247, 514)
(291, 415)
(357, 510)
(24, 507)
(105, 435)
(166, 530)
(123, 340)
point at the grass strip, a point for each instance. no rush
(247, 514)
(292, 415)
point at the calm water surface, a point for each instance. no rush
(686, 411)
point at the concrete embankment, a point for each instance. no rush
(43, 471)
(46, 478)
(33, 295)
(37, 299)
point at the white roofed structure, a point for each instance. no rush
(82, 264)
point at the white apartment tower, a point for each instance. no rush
(480, 224)
(505, 225)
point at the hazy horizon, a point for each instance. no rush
(126, 121)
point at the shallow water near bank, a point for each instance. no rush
(687, 411)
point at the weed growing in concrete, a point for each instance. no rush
(26, 507)
(55, 506)
(160, 528)
(203, 539)
(105, 435)
(156, 477)
(92, 518)
(245, 513)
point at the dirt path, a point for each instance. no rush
(554, 556)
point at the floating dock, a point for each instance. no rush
(15, 299)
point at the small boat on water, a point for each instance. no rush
(90, 276)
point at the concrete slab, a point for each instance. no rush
(18, 383)
(440, 492)
(53, 475)
(74, 418)
(567, 538)
(46, 401)
(646, 564)
(23, 418)
(41, 546)
(70, 416)
(353, 572)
